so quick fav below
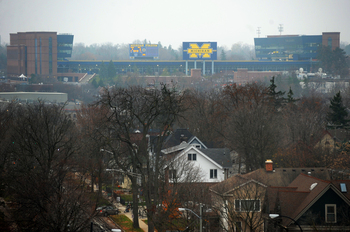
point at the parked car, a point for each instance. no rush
(107, 210)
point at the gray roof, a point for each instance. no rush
(177, 137)
(220, 155)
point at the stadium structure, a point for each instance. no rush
(48, 53)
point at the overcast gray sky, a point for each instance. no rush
(174, 21)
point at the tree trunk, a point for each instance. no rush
(135, 204)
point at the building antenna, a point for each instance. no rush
(259, 32)
(280, 28)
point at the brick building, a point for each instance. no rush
(242, 76)
(37, 53)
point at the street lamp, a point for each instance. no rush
(274, 216)
(200, 217)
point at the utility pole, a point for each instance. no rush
(259, 32)
(280, 28)
(200, 217)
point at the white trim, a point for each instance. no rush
(329, 186)
(214, 176)
(326, 213)
(198, 151)
(200, 142)
(179, 147)
(245, 183)
(240, 205)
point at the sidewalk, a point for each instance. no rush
(121, 208)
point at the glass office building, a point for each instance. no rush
(293, 47)
(64, 46)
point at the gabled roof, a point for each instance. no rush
(283, 176)
(229, 184)
(220, 157)
(244, 184)
(179, 136)
(301, 194)
(280, 177)
(308, 189)
(340, 135)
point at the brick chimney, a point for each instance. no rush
(269, 165)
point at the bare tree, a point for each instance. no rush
(145, 110)
(182, 179)
(40, 175)
(201, 116)
(239, 204)
(94, 162)
(249, 123)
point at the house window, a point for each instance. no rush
(238, 226)
(213, 173)
(192, 156)
(331, 213)
(172, 174)
(247, 205)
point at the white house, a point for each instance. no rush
(188, 157)
(214, 163)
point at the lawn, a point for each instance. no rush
(125, 223)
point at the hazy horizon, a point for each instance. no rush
(172, 22)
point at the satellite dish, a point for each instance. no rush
(301, 70)
(320, 70)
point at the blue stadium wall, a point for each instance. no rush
(173, 66)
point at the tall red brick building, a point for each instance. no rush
(37, 53)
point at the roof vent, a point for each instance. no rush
(309, 173)
(313, 186)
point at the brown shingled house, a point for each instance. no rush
(311, 203)
(244, 201)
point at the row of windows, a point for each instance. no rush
(254, 206)
(192, 157)
(69, 52)
(247, 205)
(64, 45)
(213, 174)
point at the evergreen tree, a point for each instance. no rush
(290, 98)
(277, 97)
(338, 114)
